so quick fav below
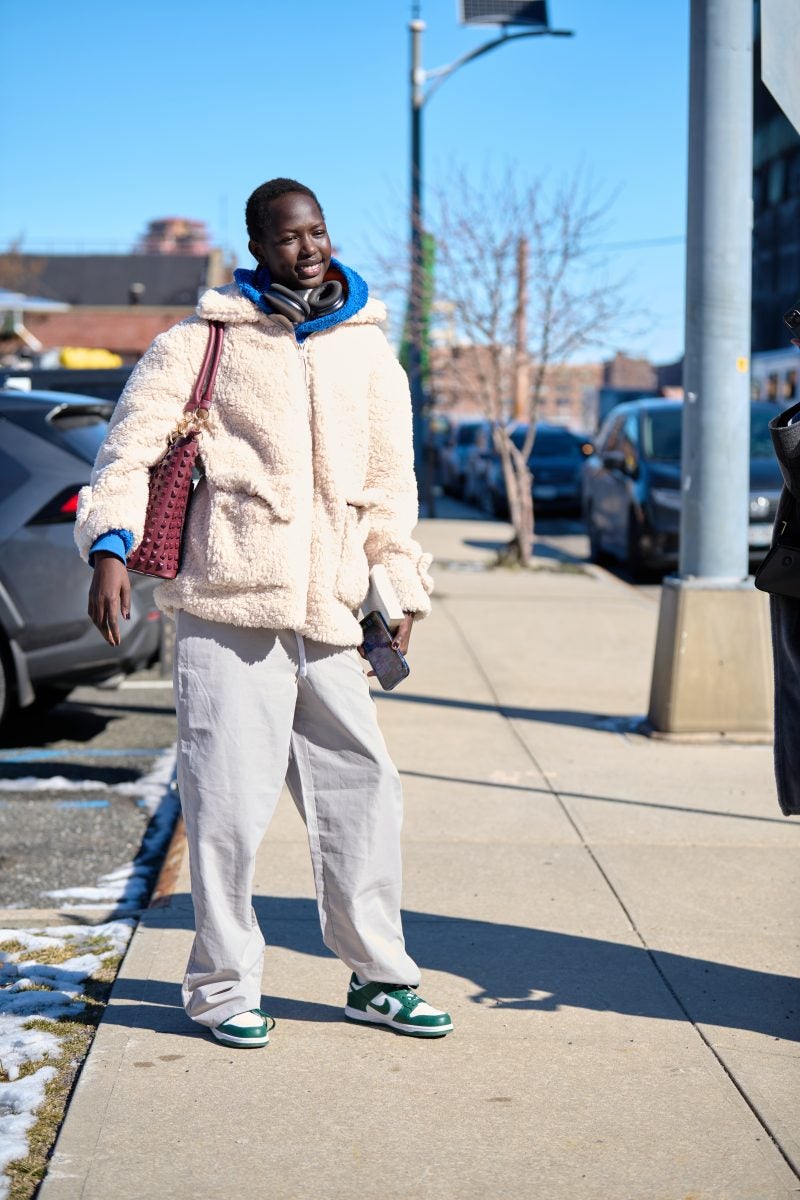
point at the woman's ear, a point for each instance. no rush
(256, 251)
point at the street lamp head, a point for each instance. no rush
(504, 12)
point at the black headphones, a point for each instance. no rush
(305, 305)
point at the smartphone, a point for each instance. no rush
(389, 665)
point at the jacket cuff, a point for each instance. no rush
(116, 541)
(411, 582)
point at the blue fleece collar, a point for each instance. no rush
(253, 284)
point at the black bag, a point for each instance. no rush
(779, 573)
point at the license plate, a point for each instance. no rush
(544, 492)
(759, 535)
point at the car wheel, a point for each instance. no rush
(596, 553)
(635, 560)
(6, 684)
(499, 506)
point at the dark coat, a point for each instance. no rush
(785, 612)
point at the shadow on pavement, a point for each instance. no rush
(551, 716)
(564, 795)
(513, 967)
(540, 550)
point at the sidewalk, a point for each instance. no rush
(610, 919)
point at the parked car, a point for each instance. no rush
(556, 463)
(454, 454)
(631, 484)
(476, 463)
(48, 645)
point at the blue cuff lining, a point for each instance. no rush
(116, 541)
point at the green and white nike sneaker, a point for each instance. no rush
(245, 1029)
(399, 1008)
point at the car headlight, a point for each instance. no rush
(667, 498)
(761, 507)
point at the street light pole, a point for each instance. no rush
(416, 294)
(416, 283)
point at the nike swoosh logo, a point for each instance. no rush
(383, 1008)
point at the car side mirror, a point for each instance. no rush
(614, 460)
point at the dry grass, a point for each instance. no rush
(75, 1035)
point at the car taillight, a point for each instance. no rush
(62, 507)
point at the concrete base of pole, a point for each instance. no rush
(712, 671)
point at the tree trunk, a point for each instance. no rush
(517, 479)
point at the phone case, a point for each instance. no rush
(389, 665)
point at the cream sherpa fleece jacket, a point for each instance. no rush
(308, 464)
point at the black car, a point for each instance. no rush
(631, 484)
(556, 463)
(48, 443)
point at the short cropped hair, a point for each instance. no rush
(257, 210)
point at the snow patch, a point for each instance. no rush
(19, 1102)
(31, 990)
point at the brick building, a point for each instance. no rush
(119, 302)
(461, 384)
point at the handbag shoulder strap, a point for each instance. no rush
(203, 390)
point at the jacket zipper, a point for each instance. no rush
(304, 359)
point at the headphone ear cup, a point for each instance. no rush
(326, 298)
(288, 303)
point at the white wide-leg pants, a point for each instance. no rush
(256, 707)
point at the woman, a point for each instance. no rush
(785, 609)
(308, 481)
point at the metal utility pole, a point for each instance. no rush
(521, 360)
(417, 279)
(716, 419)
(710, 672)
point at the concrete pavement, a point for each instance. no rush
(610, 919)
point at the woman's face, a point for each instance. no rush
(295, 248)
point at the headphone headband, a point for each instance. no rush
(300, 306)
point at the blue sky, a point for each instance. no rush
(115, 114)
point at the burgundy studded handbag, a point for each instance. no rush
(159, 552)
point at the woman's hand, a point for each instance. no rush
(400, 639)
(109, 595)
(403, 634)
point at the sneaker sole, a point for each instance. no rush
(229, 1040)
(365, 1018)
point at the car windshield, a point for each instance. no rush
(83, 432)
(466, 434)
(548, 443)
(661, 433)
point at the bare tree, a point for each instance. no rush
(19, 272)
(486, 234)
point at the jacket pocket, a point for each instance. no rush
(352, 577)
(248, 541)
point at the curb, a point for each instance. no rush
(167, 881)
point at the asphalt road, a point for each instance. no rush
(69, 808)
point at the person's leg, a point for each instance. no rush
(235, 696)
(349, 794)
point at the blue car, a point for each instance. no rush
(631, 496)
